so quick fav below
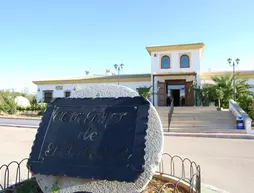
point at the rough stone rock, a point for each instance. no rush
(22, 101)
(153, 151)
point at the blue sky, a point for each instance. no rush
(63, 38)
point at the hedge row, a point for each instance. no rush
(37, 107)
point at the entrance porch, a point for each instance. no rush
(177, 86)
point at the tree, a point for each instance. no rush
(32, 99)
(208, 93)
(225, 91)
(144, 91)
(225, 84)
(219, 95)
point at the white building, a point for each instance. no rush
(174, 69)
(48, 89)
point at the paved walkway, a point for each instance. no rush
(225, 163)
(212, 135)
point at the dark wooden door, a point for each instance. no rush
(161, 94)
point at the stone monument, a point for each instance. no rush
(105, 139)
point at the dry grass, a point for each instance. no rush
(158, 186)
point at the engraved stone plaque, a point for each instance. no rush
(92, 138)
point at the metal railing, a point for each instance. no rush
(170, 113)
(180, 170)
(13, 173)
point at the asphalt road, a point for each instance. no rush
(4, 121)
(225, 163)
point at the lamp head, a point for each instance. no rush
(229, 60)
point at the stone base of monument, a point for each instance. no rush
(160, 183)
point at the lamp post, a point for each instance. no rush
(118, 68)
(234, 64)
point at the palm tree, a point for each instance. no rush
(219, 94)
(208, 91)
(225, 88)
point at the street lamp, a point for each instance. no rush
(234, 64)
(118, 68)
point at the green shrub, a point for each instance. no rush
(144, 91)
(8, 105)
(246, 102)
(29, 186)
(37, 107)
(43, 107)
(32, 99)
(22, 109)
(33, 107)
(28, 108)
(251, 112)
(223, 90)
(55, 187)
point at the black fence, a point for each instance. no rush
(13, 173)
(183, 175)
(175, 174)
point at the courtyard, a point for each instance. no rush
(225, 163)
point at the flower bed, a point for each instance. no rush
(163, 183)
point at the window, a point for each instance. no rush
(184, 61)
(67, 94)
(47, 96)
(165, 62)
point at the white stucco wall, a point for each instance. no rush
(195, 57)
(175, 61)
(70, 87)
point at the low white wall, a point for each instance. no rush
(70, 87)
(238, 111)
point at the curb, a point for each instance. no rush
(23, 118)
(20, 126)
(176, 134)
(205, 188)
(211, 135)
